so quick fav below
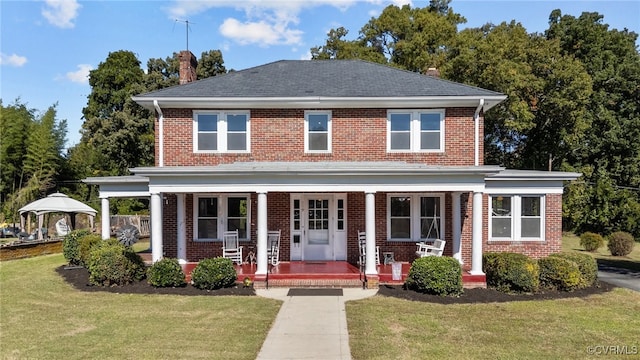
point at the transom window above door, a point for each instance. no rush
(221, 131)
(317, 131)
(415, 130)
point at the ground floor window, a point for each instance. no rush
(214, 214)
(516, 217)
(415, 217)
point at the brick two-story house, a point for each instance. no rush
(323, 149)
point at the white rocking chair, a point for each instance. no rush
(430, 250)
(362, 249)
(273, 247)
(231, 248)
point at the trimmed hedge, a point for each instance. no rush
(71, 246)
(560, 274)
(112, 263)
(591, 241)
(620, 243)
(435, 275)
(587, 265)
(511, 272)
(214, 273)
(166, 273)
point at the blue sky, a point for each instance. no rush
(47, 48)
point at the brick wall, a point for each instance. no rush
(357, 135)
(535, 249)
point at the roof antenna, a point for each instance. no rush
(186, 22)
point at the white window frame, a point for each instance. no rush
(222, 215)
(222, 131)
(516, 218)
(307, 132)
(415, 131)
(415, 216)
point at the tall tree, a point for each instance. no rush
(41, 160)
(15, 121)
(409, 38)
(543, 116)
(115, 126)
(609, 157)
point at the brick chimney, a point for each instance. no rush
(188, 65)
(433, 72)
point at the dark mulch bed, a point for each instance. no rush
(478, 295)
(79, 278)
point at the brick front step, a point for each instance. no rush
(309, 283)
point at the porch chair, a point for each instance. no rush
(430, 250)
(362, 249)
(231, 248)
(273, 247)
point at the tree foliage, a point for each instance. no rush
(30, 155)
(573, 96)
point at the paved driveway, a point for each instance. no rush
(629, 279)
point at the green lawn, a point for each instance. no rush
(571, 242)
(42, 317)
(389, 328)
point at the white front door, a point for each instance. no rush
(318, 227)
(317, 242)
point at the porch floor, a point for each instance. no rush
(327, 274)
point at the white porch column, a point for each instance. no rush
(476, 240)
(456, 224)
(370, 228)
(262, 234)
(182, 229)
(156, 227)
(105, 219)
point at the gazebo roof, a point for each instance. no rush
(57, 202)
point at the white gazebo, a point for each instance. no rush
(56, 203)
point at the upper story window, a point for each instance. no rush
(415, 217)
(415, 130)
(516, 217)
(221, 131)
(317, 131)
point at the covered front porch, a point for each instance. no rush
(357, 195)
(327, 274)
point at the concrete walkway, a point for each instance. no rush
(309, 327)
(626, 278)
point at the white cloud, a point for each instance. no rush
(306, 56)
(260, 33)
(81, 75)
(61, 13)
(267, 22)
(400, 3)
(12, 60)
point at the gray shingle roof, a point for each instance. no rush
(322, 78)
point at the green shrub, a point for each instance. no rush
(166, 273)
(111, 263)
(214, 273)
(591, 241)
(435, 275)
(511, 272)
(620, 243)
(86, 244)
(587, 265)
(559, 273)
(70, 246)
